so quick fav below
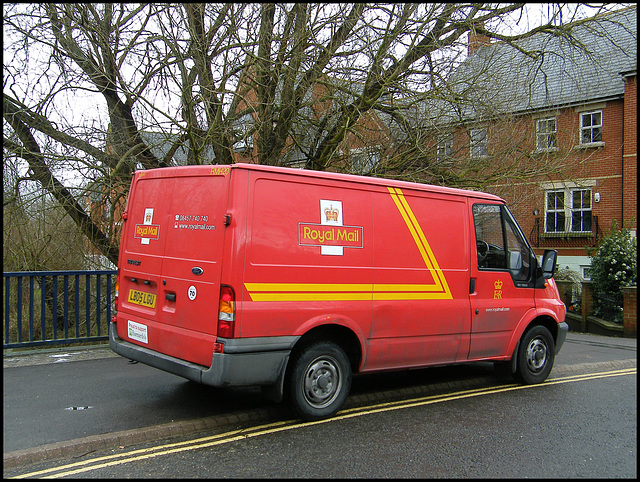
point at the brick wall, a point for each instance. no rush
(630, 311)
(602, 164)
(630, 157)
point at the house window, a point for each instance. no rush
(106, 214)
(568, 210)
(555, 214)
(445, 147)
(478, 143)
(581, 210)
(546, 133)
(243, 131)
(591, 127)
(364, 160)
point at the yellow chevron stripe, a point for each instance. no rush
(346, 296)
(420, 239)
(328, 287)
(363, 291)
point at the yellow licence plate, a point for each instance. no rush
(141, 298)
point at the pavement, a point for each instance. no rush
(13, 357)
(115, 440)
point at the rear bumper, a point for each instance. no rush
(253, 361)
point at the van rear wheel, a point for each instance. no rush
(536, 355)
(319, 380)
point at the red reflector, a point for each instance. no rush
(218, 347)
(225, 329)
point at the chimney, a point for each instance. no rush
(476, 40)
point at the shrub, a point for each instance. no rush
(613, 266)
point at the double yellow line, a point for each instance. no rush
(173, 448)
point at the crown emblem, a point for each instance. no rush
(331, 213)
(497, 284)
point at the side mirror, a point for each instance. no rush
(549, 260)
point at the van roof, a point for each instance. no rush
(368, 180)
(189, 170)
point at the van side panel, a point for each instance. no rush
(309, 256)
(421, 312)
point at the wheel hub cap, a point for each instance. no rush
(536, 354)
(322, 382)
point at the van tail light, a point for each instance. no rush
(226, 312)
(115, 297)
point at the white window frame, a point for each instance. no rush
(242, 126)
(364, 160)
(591, 127)
(555, 209)
(478, 144)
(546, 138)
(582, 209)
(568, 209)
(445, 147)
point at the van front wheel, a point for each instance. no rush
(319, 381)
(536, 355)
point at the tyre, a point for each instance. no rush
(319, 381)
(536, 355)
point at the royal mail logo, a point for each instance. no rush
(148, 231)
(331, 213)
(330, 234)
(497, 292)
(323, 235)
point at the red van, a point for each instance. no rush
(295, 280)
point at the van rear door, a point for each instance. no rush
(170, 279)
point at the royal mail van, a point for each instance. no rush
(294, 280)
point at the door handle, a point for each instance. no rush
(170, 296)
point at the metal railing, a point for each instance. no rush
(56, 307)
(537, 236)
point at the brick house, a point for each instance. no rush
(360, 151)
(567, 119)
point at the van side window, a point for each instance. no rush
(518, 252)
(495, 229)
(489, 236)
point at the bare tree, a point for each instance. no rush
(85, 85)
